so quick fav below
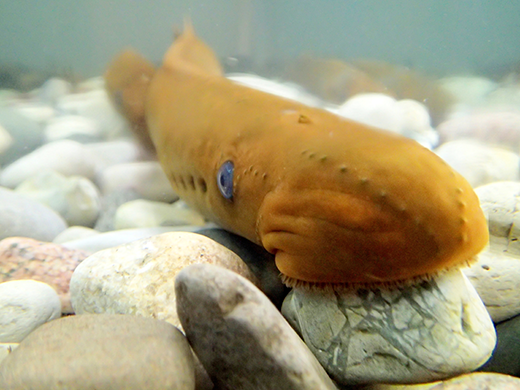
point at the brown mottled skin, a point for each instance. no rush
(336, 201)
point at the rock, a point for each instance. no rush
(468, 91)
(259, 261)
(416, 123)
(479, 163)
(106, 154)
(107, 352)
(146, 213)
(420, 333)
(95, 105)
(40, 113)
(66, 157)
(473, 381)
(24, 217)
(54, 89)
(506, 356)
(74, 233)
(374, 109)
(24, 258)
(495, 128)
(72, 127)
(75, 198)
(6, 349)
(496, 274)
(108, 240)
(109, 205)
(24, 306)
(239, 336)
(26, 134)
(146, 178)
(5, 140)
(137, 278)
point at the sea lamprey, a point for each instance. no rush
(336, 201)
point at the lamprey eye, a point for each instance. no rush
(225, 179)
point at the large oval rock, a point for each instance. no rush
(138, 278)
(496, 274)
(239, 336)
(419, 333)
(24, 306)
(24, 217)
(102, 352)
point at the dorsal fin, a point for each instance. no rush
(189, 50)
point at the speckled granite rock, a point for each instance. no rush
(480, 163)
(239, 336)
(102, 352)
(25, 217)
(496, 274)
(138, 278)
(24, 306)
(24, 258)
(146, 213)
(421, 333)
(75, 198)
(474, 381)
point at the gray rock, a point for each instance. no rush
(257, 259)
(72, 127)
(413, 334)
(239, 336)
(75, 198)
(138, 278)
(66, 157)
(54, 89)
(27, 134)
(101, 352)
(24, 217)
(109, 205)
(24, 306)
(142, 213)
(506, 356)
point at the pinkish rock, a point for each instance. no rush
(25, 258)
(499, 128)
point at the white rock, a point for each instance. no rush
(66, 157)
(479, 163)
(75, 198)
(146, 178)
(434, 330)
(25, 305)
(416, 123)
(145, 213)
(5, 139)
(96, 106)
(138, 278)
(40, 113)
(496, 274)
(53, 90)
(468, 91)
(91, 84)
(106, 154)
(283, 89)
(115, 238)
(74, 233)
(374, 109)
(73, 127)
(6, 349)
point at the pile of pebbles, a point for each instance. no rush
(108, 280)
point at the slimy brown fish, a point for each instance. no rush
(336, 201)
